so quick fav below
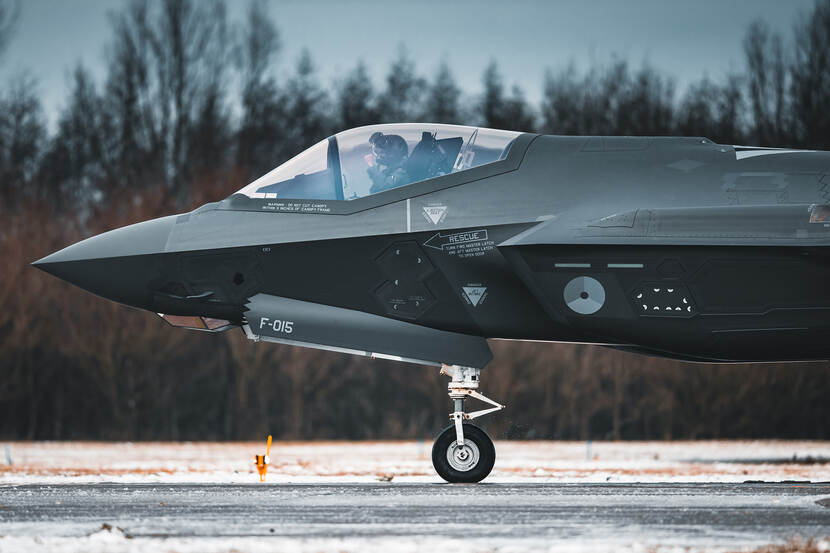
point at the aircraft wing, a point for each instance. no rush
(745, 225)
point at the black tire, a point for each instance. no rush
(474, 472)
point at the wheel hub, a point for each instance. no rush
(463, 458)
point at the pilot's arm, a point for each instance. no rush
(386, 178)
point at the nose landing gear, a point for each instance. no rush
(464, 452)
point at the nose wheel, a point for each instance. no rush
(464, 452)
(468, 463)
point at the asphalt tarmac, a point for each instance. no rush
(696, 515)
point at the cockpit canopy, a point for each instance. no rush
(367, 160)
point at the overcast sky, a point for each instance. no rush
(686, 38)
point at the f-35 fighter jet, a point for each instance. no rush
(418, 242)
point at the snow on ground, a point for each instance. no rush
(309, 462)
(115, 542)
(105, 541)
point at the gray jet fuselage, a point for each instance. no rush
(677, 247)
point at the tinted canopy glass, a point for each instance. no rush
(368, 160)
(304, 176)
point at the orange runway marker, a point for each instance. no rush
(262, 461)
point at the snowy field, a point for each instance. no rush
(326, 497)
(342, 462)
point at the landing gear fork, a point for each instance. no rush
(464, 382)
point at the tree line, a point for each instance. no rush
(194, 105)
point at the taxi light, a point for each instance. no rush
(213, 324)
(194, 322)
(187, 322)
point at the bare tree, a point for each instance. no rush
(22, 134)
(306, 109)
(810, 75)
(401, 99)
(768, 81)
(731, 109)
(562, 102)
(491, 106)
(517, 114)
(608, 100)
(76, 160)
(645, 105)
(712, 110)
(9, 13)
(356, 100)
(167, 71)
(442, 102)
(261, 126)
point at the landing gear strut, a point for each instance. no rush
(464, 452)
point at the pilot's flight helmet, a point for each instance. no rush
(388, 149)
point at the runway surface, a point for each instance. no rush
(403, 517)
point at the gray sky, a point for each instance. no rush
(684, 38)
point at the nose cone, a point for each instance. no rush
(118, 265)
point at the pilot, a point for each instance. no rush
(387, 162)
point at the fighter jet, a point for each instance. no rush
(419, 242)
